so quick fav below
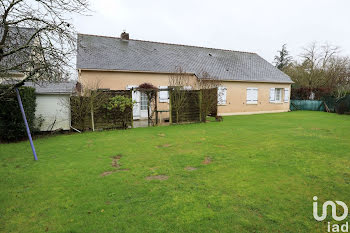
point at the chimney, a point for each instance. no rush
(124, 36)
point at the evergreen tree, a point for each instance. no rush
(283, 59)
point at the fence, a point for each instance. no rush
(192, 105)
(82, 113)
(340, 106)
(311, 105)
(327, 103)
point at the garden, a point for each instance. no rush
(256, 173)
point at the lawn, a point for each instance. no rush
(254, 173)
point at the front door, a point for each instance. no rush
(136, 96)
(143, 113)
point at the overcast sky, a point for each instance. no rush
(260, 26)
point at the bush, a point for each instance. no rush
(12, 127)
(120, 108)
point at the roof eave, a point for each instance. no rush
(190, 73)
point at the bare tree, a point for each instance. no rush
(88, 100)
(209, 94)
(177, 82)
(37, 42)
(321, 66)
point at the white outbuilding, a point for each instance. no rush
(53, 105)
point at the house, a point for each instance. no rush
(15, 65)
(249, 84)
(53, 105)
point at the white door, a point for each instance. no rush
(143, 107)
(136, 96)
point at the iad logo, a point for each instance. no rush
(334, 227)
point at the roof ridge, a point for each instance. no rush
(165, 43)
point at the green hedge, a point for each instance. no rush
(12, 127)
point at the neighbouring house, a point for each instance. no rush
(52, 99)
(249, 84)
(16, 63)
(53, 105)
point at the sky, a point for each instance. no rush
(260, 26)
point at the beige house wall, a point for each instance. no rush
(235, 98)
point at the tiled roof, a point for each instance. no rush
(17, 37)
(52, 88)
(111, 53)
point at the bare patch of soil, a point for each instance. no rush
(107, 173)
(190, 168)
(161, 135)
(207, 160)
(159, 177)
(116, 164)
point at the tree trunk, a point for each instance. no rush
(92, 117)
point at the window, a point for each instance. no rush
(252, 95)
(222, 95)
(278, 94)
(143, 101)
(163, 95)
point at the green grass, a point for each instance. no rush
(264, 172)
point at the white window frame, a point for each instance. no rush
(143, 98)
(252, 95)
(280, 90)
(222, 95)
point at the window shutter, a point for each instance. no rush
(286, 95)
(163, 95)
(222, 95)
(272, 94)
(252, 95)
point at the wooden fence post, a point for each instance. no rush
(170, 112)
(200, 105)
(92, 115)
(156, 106)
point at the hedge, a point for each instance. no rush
(12, 127)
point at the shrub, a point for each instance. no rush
(12, 127)
(120, 108)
